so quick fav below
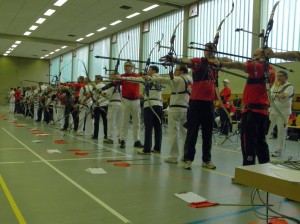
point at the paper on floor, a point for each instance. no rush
(190, 197)
(96, 171)
(53, 151)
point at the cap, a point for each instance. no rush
(226, 80)
(128, 63)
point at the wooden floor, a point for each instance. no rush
(43, 182)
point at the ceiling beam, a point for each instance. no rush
(174, 5)
(40, 40)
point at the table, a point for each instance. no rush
(262, 177)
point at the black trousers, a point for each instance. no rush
(253, 139)
(40, 112)
(69, 109)
(225, 123)
(48, 114)
(100, 111)
(201, 114)
(151, 122)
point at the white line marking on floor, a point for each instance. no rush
(75, 159)
(3, 163)
(11, 148)
(108, 208)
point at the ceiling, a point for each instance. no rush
(76, 18)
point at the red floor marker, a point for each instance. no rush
(60, 142)
(81, 153)
(202, 204)
(277, 221)
(122, 164)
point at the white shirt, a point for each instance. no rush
(178, 87)
(102, 100)
(155, 92)
(283, 105)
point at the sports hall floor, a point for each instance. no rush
(47, 183)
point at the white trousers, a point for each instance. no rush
(12, 107)
(177, 132)
(85, 116)
(133, 108)
(113, 120)
(281, 134)
(61, 116)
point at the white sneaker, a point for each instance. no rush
(171, 160)
(79, 133)
(208, 165)
(187, 165)
(276, 154)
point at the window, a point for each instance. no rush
(130, 51)
(80, 62)
(97, 65)
(285, 35)
(163, 27)
(202, 29)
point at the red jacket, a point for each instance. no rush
(225, 96)
(130, 90)
(75, 86)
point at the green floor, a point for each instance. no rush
(38, 187)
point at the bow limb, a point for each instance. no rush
(216, 41)
(217, 35)
(172, 50)
(266, 69)
(119, 56)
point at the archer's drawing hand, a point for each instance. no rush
(116, 76)
(269, 53)
(167, 58)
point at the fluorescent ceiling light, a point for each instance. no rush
(133, 15)
(27, 33)
(18, 42)
(150, 7)
(46, 55)
(60, 2)
(14, 45)
(63, 47)
(90, 34)
(57, 50)
(101, 29)
(41, 57)
(116, 22)
(33, 27)
(5, 54)
(10, 49)
(80, 39)
(40, 20)
(51, 52)
(49, 12)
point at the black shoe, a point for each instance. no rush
(64, 129)
(138, 144)
(93, 137)
(122, 144)
(142, 152)
(155, 151)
